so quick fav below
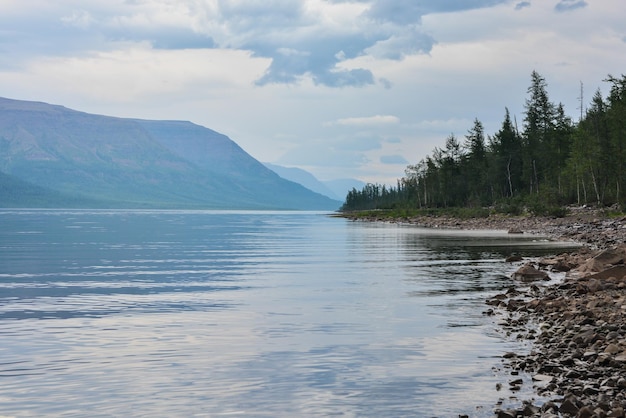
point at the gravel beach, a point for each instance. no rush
(576, 326)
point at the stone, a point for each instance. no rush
(568, 407)
(542, 380)
(615, 255)
(615, 271)
(612, 349)
(585, 412)
(506, 414)
(561, 266)
(528, 273)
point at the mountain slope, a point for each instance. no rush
(302, 177)
(138, 163)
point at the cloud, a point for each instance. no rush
(393, 159)
(522, 5)
(368, 120)
(443, 124)
(79, 18)
(305, 40)
(405, 12)
(567, 5)
(406, 42)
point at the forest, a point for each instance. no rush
(550, 163)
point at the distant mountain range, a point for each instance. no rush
(51, 156)
(335, 189)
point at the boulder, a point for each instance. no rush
(618, 272)
(612, 256)
(528, 273)
(513, 258)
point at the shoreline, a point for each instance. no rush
(587, 227)
(576, 328)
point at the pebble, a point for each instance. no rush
(578, 356)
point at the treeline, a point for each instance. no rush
(549, 163)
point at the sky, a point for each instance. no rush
(340, 88)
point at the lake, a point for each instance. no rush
(261, 314)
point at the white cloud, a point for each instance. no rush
(368, 120)
(79, 18)
(137, 72)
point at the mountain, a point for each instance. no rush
(58, 155)
(304, 178)
(335, 189)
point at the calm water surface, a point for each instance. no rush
(260, 314)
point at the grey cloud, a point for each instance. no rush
(21, 38)
(282, 30)
(316, 56)
(265, 14)
(406, 42)
(385, 83)
(343, 78)
(411, 11)
(567, 5)
(522, 5)
(393, 159)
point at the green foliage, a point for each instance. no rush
(550, 164)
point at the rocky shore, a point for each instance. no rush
(582, 225)
(578, 330)
(576, 326)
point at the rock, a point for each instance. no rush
(528, 273)
(613, 256)
(542, 380)
(617, 272)
(621, 357)
(506, 414)
(513, 258)
(569, 407)
(585, 412)
(561, 266)
(530, 410)
(590, 266)
(612, 349)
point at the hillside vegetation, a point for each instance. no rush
(549, 163)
